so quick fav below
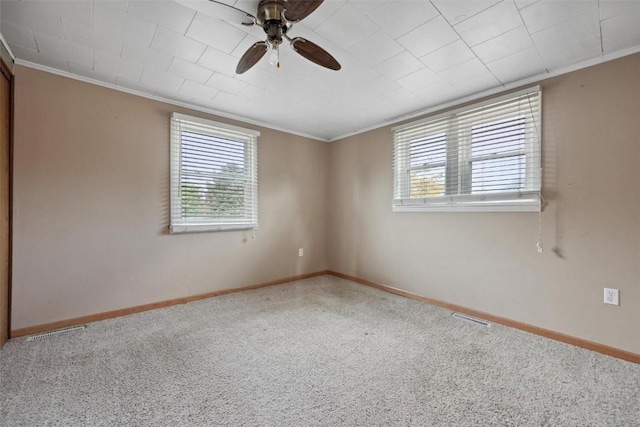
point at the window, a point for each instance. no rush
(214, 176)
(484, 157)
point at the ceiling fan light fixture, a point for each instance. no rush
(274, 57)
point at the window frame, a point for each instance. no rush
(459, 163)
(247, 137)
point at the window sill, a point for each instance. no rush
(468, 208)
(202, 228)
(529, 201)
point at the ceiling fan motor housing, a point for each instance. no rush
(270, 16)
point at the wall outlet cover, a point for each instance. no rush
(611, 296)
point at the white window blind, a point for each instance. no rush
(484, 157)
(214, 176)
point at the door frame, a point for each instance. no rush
(5, 72)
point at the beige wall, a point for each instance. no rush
(489, 262)
(91, 206)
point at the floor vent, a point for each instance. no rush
(471, 319)
(56, 332)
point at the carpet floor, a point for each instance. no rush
(318, 352)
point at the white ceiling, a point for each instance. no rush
(398, 57)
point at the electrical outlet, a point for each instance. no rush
(611, 296)
(300, 252)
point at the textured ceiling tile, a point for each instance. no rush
(18, 35)
(321, 14)
(521, 4)
(505, 44)
(169, 14)
(31, 15)
(418, 80)
(261, 78)
(611, 8)
(177, 45)
(123, 5)
(225, 101)
(114, 65)
(250, 6)
(93, 38)
(354, 71)
(429, 37)
(346, 27)
(399, 96)
(376, 48)
(464, 71)
(460, 10)
(64, 50)
(366, 6)
(215, 60)
(136, 52)
(39, 58)
(79, 70)
(224, 82)
(215, 33)
(244, 44)
(621, 31)
(399, 66)
(477, 83)
(251, 92)
(378, 86)
(160, 81)
(189, 71)
(489, 23)
(115, 21)
(197, 91)
(545, 14)
(398, 18)
(571, 42)
(448, 56)
(137, 86)
(78, 13)
(220, 12)
(438, 93)
(517, 66)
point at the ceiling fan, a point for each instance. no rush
(276, 17)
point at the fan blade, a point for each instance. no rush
(249, 18)
(251, 57)
(297, 10)
(314, 53)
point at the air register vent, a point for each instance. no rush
(471, 319)
(56, 332)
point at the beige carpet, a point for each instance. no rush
(322, 352)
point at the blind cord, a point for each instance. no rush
(539, 244)
(535, 126)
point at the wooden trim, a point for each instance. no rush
(146, 307)
(7, 204)
(557, 336)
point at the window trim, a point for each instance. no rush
(529, 200)
(179, 225)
